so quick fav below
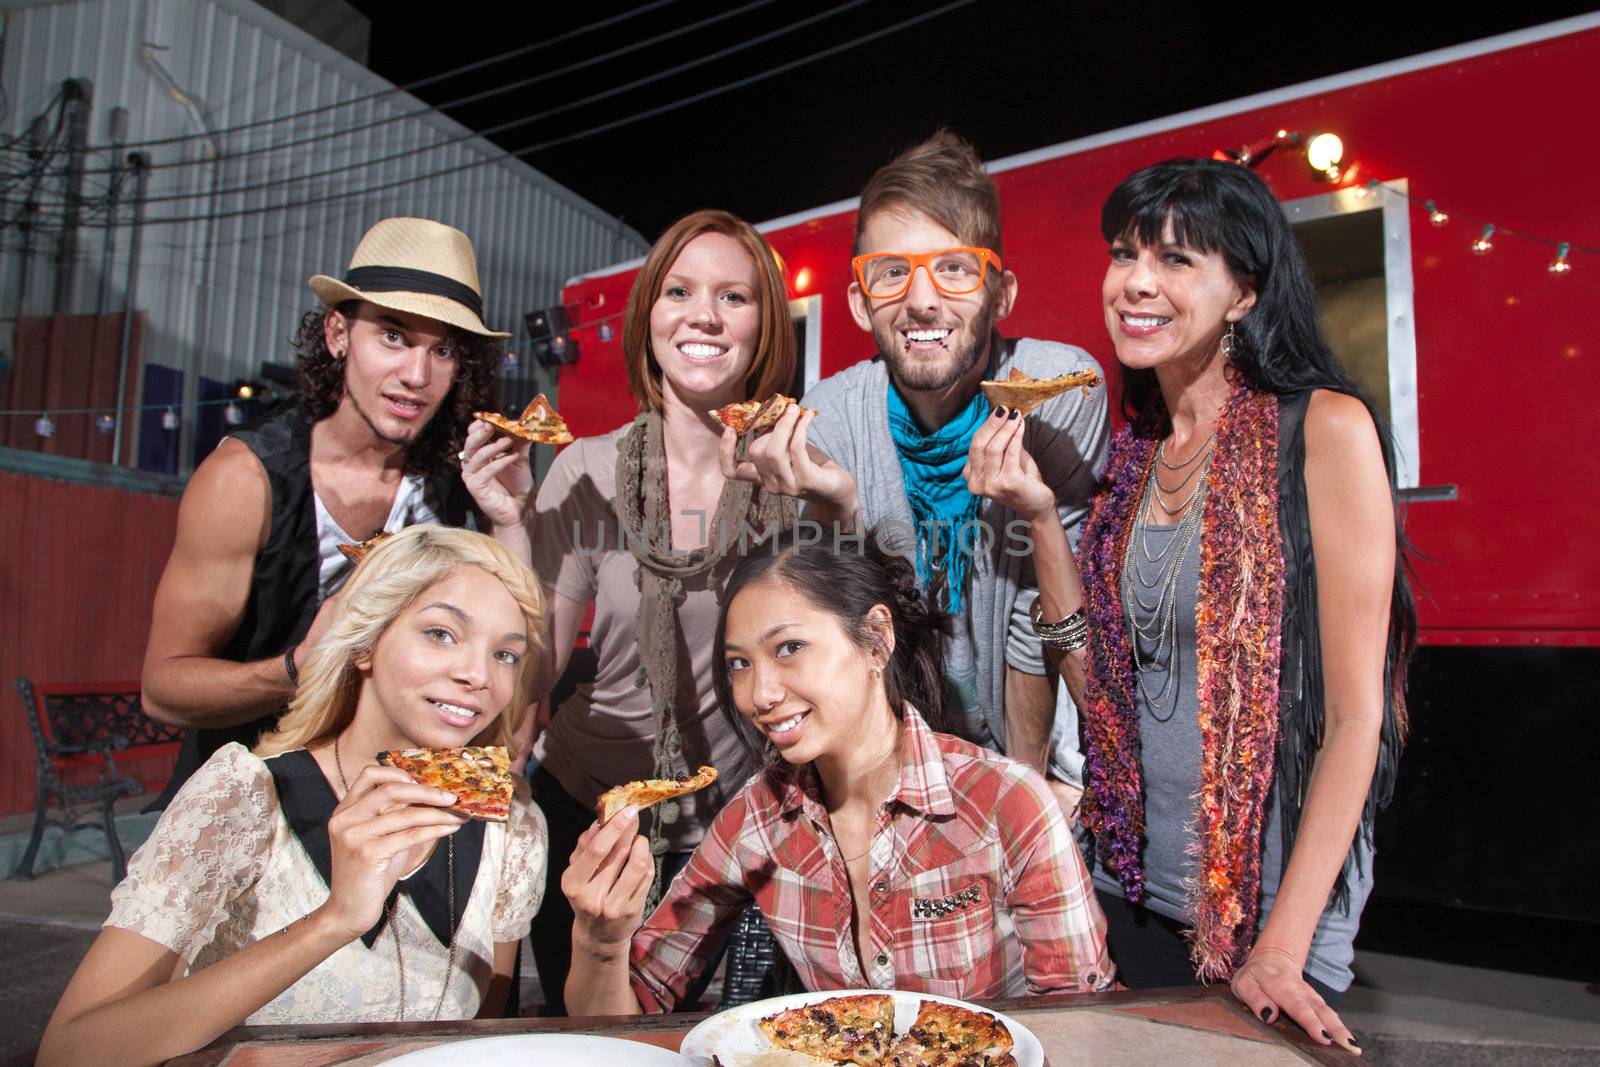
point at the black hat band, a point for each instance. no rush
(407, 280)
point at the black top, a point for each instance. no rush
(284, 585)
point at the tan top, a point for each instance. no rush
(604, 734)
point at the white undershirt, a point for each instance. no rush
(410, 507)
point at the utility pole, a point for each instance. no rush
(76, 96)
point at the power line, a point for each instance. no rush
(605, 94)
(408, 87)
(502, 156)
(471, 98)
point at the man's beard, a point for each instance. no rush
(928, 377)
(403, 440)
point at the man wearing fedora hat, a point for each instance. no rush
(390, 369)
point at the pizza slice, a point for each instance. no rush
(1023, 393)
(357, 553)
(540, 423)
(853, 1029)
(653, 791)
(755, 416)
(479, 776)
(948, 1035)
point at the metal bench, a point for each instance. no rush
(76, 730)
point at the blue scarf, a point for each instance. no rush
(941, 504)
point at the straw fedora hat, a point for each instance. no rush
(415, 265)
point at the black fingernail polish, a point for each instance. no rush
(1266, 1015)
(1000, 412)
(1015, 413)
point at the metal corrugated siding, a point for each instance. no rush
(246, 64)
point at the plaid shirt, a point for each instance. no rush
(987, 897)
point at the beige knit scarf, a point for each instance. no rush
(743, 512)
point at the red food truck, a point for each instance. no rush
(1456, 243)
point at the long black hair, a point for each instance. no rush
(319, 386)
(1280, 347)
(845, 577)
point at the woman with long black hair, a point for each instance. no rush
(1240, 632)
(882, 854)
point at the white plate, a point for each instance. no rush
(528, 1050)
(735, 1039)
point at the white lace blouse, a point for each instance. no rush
(224, 869)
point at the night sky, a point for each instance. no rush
(1009, 76)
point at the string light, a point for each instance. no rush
(1435, 216)
(232, 415)
(44, 427)
(169, 419)
(105, 424)
(1483, 245)
(1559, 265)
(246, 391)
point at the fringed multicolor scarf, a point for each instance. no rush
(1239, 642)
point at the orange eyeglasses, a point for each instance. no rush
(956, 271)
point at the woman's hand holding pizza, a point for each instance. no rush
(497, 473)
(780, 461)
(607, 882)
(371, 834)
(999, 468)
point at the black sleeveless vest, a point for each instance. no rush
(283, 589)
(1301, 694)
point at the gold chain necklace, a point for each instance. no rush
(399, 956)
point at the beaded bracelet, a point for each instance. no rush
(1068, 635)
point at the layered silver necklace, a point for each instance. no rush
(1155, 598)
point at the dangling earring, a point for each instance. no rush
(1229, 339)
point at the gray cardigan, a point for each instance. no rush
(1067, 437)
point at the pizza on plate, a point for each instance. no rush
(850, 1029)
(948, 1035)
(479, 776)
(1023, 393)
(357, 553)
(652, 791)
(540, 423)
(755, 416)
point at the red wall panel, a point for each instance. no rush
(1507, 360)
(78, 571)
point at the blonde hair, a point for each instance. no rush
(388, 580)
(773, 366)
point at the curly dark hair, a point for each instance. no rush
(319, 386)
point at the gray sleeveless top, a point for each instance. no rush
(1169, 734)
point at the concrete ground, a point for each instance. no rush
(1406, 1011)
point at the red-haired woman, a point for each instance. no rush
(640, 522)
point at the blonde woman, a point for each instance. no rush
(302, 882)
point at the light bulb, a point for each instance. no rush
(1559, 265)
(44, 426)
(105, 424)
(169, 419)
(1435, 216)
(1324, 152)
(1483, 245)
(232, 415)
(246, 391)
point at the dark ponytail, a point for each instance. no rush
(847, 577)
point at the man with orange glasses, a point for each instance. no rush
(930, 287)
